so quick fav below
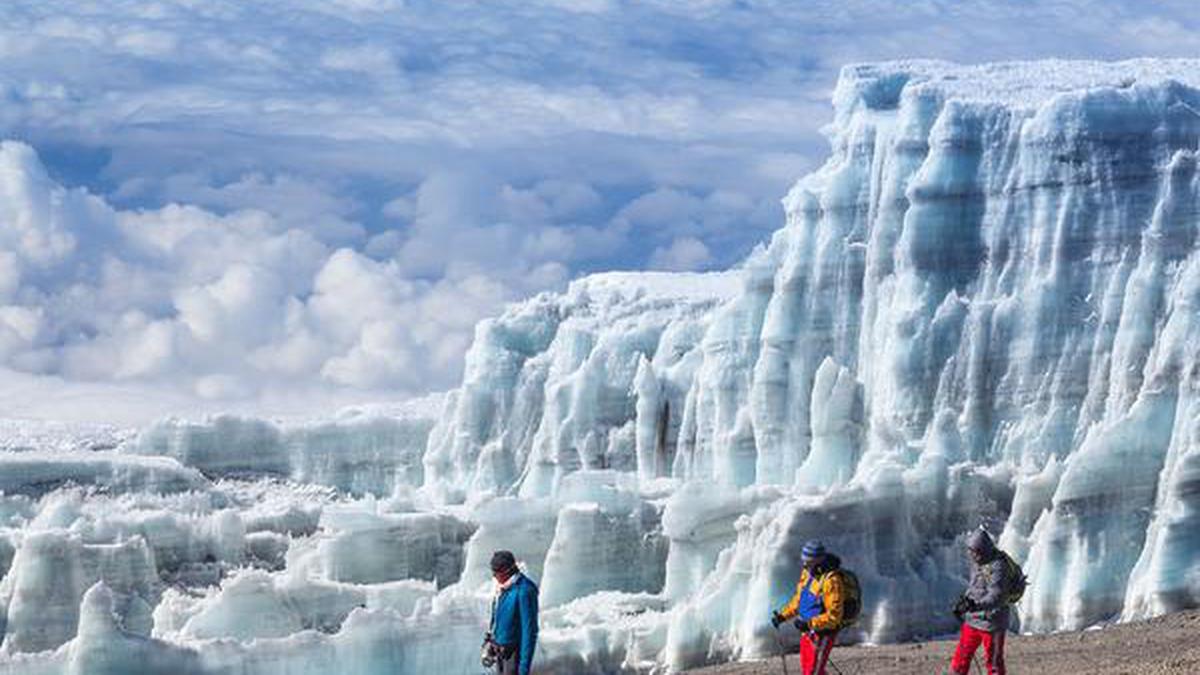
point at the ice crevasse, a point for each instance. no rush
(984, 308)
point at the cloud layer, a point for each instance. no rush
(239, 200)
(221, 305)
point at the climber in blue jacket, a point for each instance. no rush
(514, 626)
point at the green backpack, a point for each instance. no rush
(851, 597)
(1017, 581)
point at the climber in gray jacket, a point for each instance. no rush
(988, 610)
(984, 607)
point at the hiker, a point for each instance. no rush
(820, 606)
(512, 638)
(996, 582)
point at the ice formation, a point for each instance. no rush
(358, 453)
(983, 308)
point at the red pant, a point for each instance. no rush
(968, 641)
(814, 652)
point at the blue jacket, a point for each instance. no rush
(807, 602)
(820, 597)
(515, 622)
(811, 604)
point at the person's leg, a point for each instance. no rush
(808, 654)
(968, 641)
(824, 645)
(507, 665)
(993, 651)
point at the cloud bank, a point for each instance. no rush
(314, 201)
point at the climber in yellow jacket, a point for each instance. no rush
(818, 607)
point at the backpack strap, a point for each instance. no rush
(837, 571)
(1015, 573)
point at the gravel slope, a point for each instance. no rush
(1165, 645)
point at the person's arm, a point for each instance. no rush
(993, 596)
(833, 597)
(528, 606)
(789, 610)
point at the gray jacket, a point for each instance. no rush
(986, 589)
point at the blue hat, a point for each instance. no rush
(812, 549)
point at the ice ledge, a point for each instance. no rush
(1020, 84)
(675, 285)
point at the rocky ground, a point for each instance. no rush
(1166, 645)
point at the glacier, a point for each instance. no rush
(984, 308)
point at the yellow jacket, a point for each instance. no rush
(829, 588)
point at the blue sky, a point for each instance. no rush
(302, 202)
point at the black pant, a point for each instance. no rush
(507, 665)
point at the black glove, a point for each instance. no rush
(963, 606)
(801, 625)
(776, 619)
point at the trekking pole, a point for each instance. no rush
(833, 665)
(782, 651)
(975, 660)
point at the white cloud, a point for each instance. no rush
(661, 208)
(222, 306)
(685, 254)
(368, 59)
(147, 42)
(293, 200)
(582, 6)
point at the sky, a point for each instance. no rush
(289, 206)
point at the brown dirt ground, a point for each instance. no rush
(1167, 645)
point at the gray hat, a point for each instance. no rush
(979, 540)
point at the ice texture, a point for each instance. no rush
(984, 308)
(361, 547)
(35, 473)
(44, 588)
(548, 386)
(357, 451)
(28, 434)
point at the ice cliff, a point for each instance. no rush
(983, 308)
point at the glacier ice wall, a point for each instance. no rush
(983, 308)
